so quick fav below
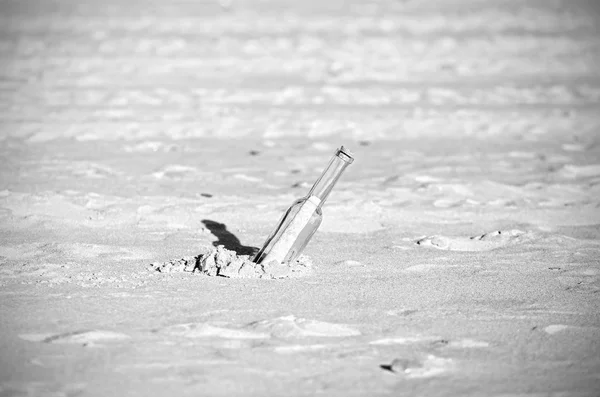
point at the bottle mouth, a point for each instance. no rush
(345, 155)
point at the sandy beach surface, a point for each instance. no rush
(458, 256)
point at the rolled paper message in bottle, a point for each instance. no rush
(300, 222)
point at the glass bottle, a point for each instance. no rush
(300, 222)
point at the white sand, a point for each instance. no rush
(222, 262)
(458, 256)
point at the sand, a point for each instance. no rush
(458, 256)
(222, 262)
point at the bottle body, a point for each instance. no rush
(302, 219)
(293, 232)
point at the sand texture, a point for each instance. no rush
(459, 255)
(222, 262)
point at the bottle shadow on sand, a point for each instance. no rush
(227, 239)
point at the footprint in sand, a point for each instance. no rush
(555, 328)
(293, 327)
(176, 172)
(85, 338)
(280, 327)
(419, 367)
(573, 171)
(404, 340)
(467, 344)
(432, 341)
(484, 242)
(204, 330)
(418, 361)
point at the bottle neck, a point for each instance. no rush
(323, 186)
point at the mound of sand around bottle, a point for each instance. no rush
(222, 262)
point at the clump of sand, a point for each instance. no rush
(222, 262)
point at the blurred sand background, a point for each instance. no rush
(459, 254)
